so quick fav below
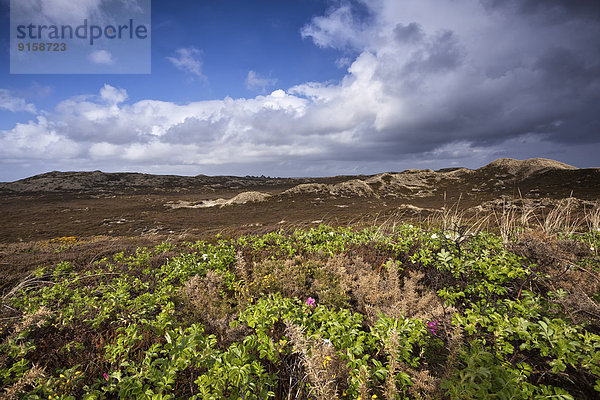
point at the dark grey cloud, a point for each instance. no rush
(442, 52)
(411, 32)
(555, 10)
(541, 79)
(567, 70)
(431, 84)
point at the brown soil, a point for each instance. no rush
(94, 203)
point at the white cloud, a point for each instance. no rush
(338, 29)
(343, 62)
(208, 132)
(36, 140)
(457, 86)
(14, 104)
(189, 61)
(59, 11)
(113, 95)
(101, 57)
(258, 83)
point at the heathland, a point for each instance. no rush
(449, 284)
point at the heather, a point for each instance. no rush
(396, 312)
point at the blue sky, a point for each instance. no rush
(233, 37)
(318, 87)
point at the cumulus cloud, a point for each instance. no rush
(482, 72)
(38, 139)
(14, 104)
(113, 95)
(101, 57)
(256, 82)
(106, 127)
(189, 61)
(460, 85)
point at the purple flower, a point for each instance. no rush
(433, 326)
(311, 302)
(105, 376)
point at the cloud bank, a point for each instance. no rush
(430, 84)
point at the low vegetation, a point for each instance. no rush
(396, 312)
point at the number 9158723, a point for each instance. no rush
(42, 46)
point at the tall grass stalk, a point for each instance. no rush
(561, 219)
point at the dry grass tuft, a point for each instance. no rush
(565, 216)
(556, 259)
(241, 268)
(561, 219)
(385, 292)
(424, 385)
(38, 319)
(455, 343)
(547, 250)
(325, 369)
(512, 218)
(204, 298)
(287, 277)
(391, 347)
(417, 301)
(295, 277)
(363, 386)
(592, 217)
(456, 220)
(28, 379)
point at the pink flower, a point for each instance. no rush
(311, 302)
(105, 376)
(432, 325)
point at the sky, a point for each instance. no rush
(316, 88)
